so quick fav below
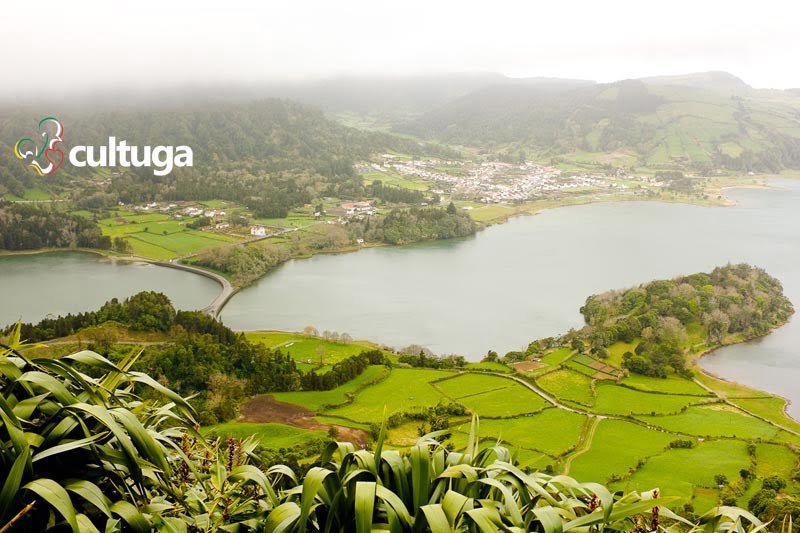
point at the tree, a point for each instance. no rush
(451, 208)
(717, 324)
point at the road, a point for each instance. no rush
(213, 309)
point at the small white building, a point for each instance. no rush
(258, 231)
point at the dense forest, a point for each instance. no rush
(734, 300)
(26, 227)
(271, 154)
(403, 226)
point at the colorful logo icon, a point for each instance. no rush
(47, 158)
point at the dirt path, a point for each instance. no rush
(265, 408)
(584, 445)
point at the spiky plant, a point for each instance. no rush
(89, 445)
(81, 448)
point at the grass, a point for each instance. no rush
(491, 213)
(512, 401)
(775, 460)
(717, 420)
(472, 384)
(613, 399)
(617, 350)
(552, 431)
(392, 178)
(306, 348)
(270, 435)
(672, 384)
(491, 396)
(489, 366)
(316, 400)
(157, 236)
(406, 389)
(678, 471)
(727, 389)
(606, 457)
(36, 194)
(771, 408)
(567, 384)
(556, 357)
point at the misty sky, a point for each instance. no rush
(55, 47)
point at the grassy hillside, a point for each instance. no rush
(704, 122)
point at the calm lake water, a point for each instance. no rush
(33, 286)
(508, 285)
(526, 279)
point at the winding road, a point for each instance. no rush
(213, 309)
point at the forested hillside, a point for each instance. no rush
(266, 153)
(668, 318)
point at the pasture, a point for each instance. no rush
(606, 457)
(566, 384)
(307, 348)
(405, 389)
(269, 435)
(316, 400)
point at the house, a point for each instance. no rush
(222, 225)
(258, 231)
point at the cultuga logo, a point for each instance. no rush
(47, 158)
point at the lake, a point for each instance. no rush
(508, 285)
(526, 279)
(36, 285)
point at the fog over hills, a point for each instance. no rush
(702, 121)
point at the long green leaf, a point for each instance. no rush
(13, 480)
(364, 505)
(57, 497)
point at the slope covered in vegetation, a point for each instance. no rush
(88, 445)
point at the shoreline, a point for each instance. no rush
(695, 360)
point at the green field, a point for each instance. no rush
(404, 390)
(613, 399)
(488, 366)
(312, 350)
(672, 384)
(606, 457)
(678, 471)
(625, 434)
(157, 236)
(556, 357)
(566, 384)
(316, 400)
(394, 179)
(491, 396)
(36, 194)
(715, 420)
(270, 435)
(552, 431)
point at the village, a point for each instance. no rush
(499, 182)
